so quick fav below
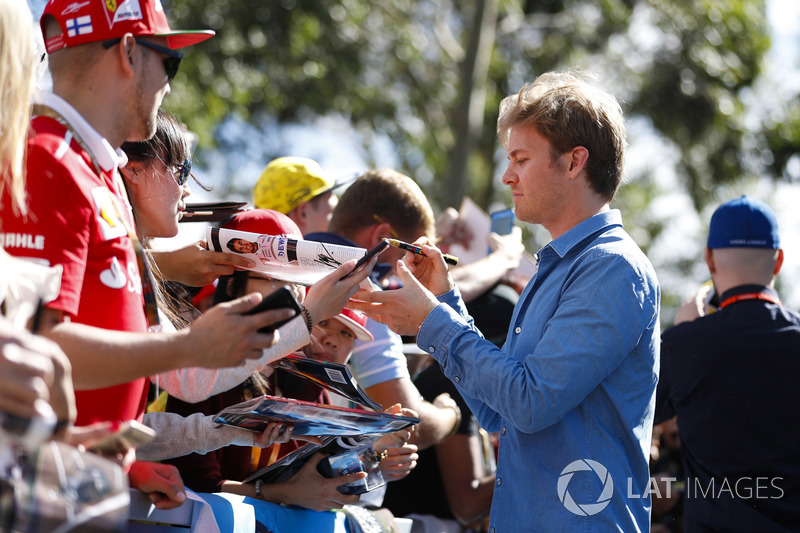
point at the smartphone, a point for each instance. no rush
(378, 249)
(361, 460)
(502, 221)
(130, 434)
(279, 299)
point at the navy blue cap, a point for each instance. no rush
(743, 223)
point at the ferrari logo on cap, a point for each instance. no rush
(125, 10)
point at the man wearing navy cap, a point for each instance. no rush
(731, 378)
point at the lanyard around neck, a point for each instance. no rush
(750, 296)
(148, 293)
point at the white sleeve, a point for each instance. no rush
(195, 384)
(196, 433)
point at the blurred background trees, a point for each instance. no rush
(428, 75)
(415, 84)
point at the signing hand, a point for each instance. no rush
(404, 309)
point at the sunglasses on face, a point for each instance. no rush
(171, 63)
(183, 171)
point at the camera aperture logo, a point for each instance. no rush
(585, 509)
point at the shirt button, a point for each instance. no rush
(457, 379)
(431, 349)
(499, 482)
(503, 430)
(517, 330)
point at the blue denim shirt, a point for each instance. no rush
(572, 391)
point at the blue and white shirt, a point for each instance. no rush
(572, 391)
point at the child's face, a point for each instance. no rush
(331, 340)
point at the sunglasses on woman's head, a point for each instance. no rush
(171, 63)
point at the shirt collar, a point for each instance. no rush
(590, 226)
(107, 158)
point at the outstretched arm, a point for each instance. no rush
(196, 266)
(222, 337)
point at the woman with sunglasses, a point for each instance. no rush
(156, 178)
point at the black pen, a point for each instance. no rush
(449, 259)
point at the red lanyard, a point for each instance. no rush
(750, 296)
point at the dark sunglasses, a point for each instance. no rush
(171, 63)
(183, 171)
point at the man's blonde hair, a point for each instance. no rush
(17, 77)
(568, 111)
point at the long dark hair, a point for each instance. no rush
(229, 288)
(171, 145)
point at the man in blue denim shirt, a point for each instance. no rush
(572, 391)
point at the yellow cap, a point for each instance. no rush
(289, 181)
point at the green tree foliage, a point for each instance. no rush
(429, 75)
(417, 71)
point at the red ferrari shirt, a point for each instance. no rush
(78, 218)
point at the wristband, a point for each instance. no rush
(309, 321)
(457, 411)
(258, 484)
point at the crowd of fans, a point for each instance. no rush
(518, 387)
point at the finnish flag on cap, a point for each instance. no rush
(79, 26)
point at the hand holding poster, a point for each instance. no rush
(284, 257)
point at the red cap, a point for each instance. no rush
(356, 321)
(265, 221)
(88, 21)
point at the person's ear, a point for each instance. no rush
(379, 232)
(131, 172)
(127, 55)
(778, 262)
(709, 258)
(302, 211)
(578, 157)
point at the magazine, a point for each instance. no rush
(311, 418)
(284, 257)
(335, 377)
(346, 434)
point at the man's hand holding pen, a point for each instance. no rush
(403, 310)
